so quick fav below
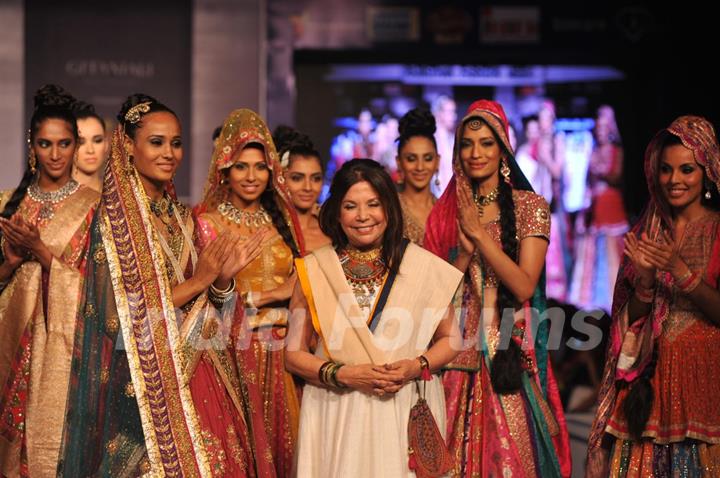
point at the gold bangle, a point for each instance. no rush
(322, 370)
(423, 362)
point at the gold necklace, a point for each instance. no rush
(363, 256)
(482, 201)
(258, 218)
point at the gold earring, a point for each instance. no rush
(505, 171)
(437, 179)
(32, 160)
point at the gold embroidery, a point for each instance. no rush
(235, 449)
(129, 389)
(99, 256)
(104, 375)
(112, 446)
(89, 310)
(112, 324)
(216, 454)
(210, 329)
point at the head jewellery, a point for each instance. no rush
(135, 113)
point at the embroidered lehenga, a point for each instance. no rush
(154, 389)
(682, 434)
(258, 333)
(520, 434)
(37, 323)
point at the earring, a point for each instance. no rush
(223, 181)
(437, 179)
(708, 196)
(32, 160)
(505, 171)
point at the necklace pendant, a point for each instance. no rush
(47, 211)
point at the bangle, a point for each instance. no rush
(690, 284)
(218, 297)
(424, 368)
(333, 376)
(685, 277)
(228, 290)
(321, 372)
(327, 374)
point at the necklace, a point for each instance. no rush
(363, 256)
(365, 271)
(482, 201)
(258, 218)
(51, 198)
(164, 209)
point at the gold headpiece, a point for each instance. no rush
(135, 113)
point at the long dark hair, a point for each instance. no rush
(506, 367)
(50, 102)
(353, 172)
(154, 106)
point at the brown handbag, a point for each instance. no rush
(429, 456)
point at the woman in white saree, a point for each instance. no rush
(370, 315)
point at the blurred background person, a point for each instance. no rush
(417, 163)
(93, 146)
(445, 111)
(599, 239)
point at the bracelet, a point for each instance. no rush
(217, 292)
(424, 368)
(690, 284)
(333, 376)
(218, 297)
(685, 277)
(321, 371)
(327, 374)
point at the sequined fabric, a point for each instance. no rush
(413, 229)
(532, 219)
(688, 366)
